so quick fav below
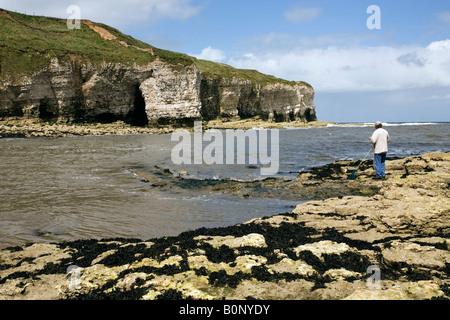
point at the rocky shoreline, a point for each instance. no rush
(332, 247)
(33, 128)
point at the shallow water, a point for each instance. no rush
(58, 189)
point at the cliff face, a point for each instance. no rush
(187, 94)
(274, 102)
(148, 85)
(77, 92)
(172, 94)
(154, 92)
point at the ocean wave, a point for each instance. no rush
(217, 178)
(395, 124)
(385, 124)
(299, 128)
(344, 125)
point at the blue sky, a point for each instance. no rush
(400, 72)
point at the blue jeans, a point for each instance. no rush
(380, 167)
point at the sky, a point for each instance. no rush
(367, 60)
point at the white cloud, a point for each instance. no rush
(211, 54)
(438, 97)
(356, 68)
(300, 14)
(440, 46)
(112, 12)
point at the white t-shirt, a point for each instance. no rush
(380, 138)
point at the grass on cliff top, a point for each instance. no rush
(218, 70)
(28, 43)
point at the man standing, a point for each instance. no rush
(380, 139)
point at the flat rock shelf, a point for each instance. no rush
(362, 239)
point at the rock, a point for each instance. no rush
(36, 128)
(414, 254)
(244, 99)
(397, 237)
(253, 240)
(422, 290)
(294, 267)
(323, 247)
(342, 274)
(172, 94)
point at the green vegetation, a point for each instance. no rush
(219, 70)
(28, 43)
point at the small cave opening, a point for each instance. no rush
(137, 116)
(107, 117)
(210, 99)
(291, 116)
(15, 111)
(279, 117)
(310, 115)
(46, 110)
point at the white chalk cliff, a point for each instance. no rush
(71, 86)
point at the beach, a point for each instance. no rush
(34, 128)
(29, 128)
(391, 243)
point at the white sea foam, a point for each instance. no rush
(385, 124)
(342, 125)
(395, 124)
(410, 124)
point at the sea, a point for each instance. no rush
(86, 187)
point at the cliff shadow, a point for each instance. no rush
(310, 115)
(249, 104)
(137, 115)
(210, 99)
(47, 110)
(15, 110)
